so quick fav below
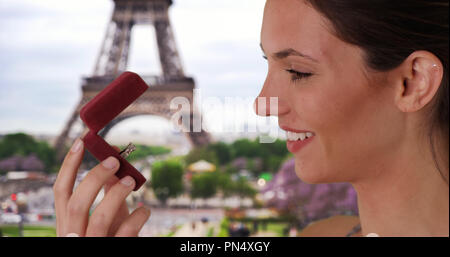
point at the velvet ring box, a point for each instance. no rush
(102, 109)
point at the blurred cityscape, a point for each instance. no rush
(232, 185)
(221, 189)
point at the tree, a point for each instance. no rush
(222, 151)
(225, 184)
(243, 189)
(271, 154)
(255, 166)
(167, 179)
(22, 144)
(144, 151)
(246, 148)
(277, 148)
(204, 185)
(273, 163)
(201, 153)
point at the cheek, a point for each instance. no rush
(347, 126)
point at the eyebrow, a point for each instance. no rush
(288, 52)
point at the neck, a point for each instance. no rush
(407, 197)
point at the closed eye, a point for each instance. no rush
(296, 75)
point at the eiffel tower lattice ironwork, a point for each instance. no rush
(112, 61)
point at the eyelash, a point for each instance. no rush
(298, 75)
(295, 74)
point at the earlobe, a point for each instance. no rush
(421, 75)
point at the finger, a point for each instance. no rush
(122, 213)
(69, 168)
(103, 216)
(63, 186)
(85, 194)
(112, 180)
(134, 223)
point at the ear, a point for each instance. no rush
(419, 79)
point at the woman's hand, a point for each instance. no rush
(110, 217)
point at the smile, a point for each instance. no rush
(293, 136)
(297, 139)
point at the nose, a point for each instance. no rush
(270, 101)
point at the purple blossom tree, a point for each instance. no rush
(11, 163)
(18, 163)
(32, 163)
(239, 163)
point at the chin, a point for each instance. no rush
(312, 172)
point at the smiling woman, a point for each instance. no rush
(369, 81)
(362, 91)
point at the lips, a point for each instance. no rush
(295, 146)
(297, 139)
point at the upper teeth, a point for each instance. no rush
(292, 136)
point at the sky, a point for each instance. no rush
(47, 46)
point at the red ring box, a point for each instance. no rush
(102, 109)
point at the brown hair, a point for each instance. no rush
(388, 32)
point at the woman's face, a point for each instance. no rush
(323, 88)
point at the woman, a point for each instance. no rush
(364, 84)
(369, 81)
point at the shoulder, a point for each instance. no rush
(336, 226)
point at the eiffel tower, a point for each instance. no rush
(112, 61)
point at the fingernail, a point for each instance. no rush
(127, 181)
(76, 146)
(110, 163)
(72, 235)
